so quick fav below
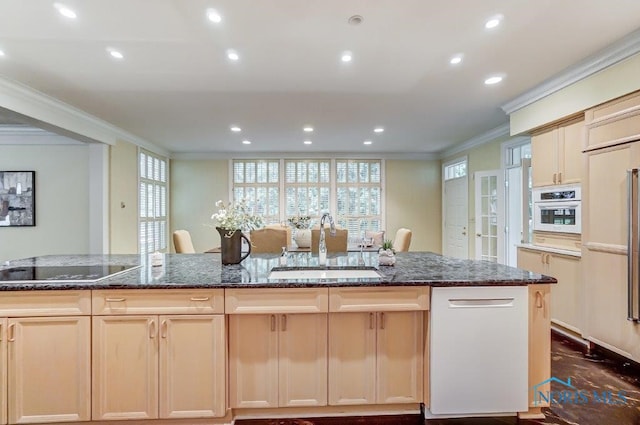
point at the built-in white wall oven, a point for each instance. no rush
(557, 209)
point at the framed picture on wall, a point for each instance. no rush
(17, 198)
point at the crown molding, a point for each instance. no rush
(614, 53)
(44, 111)
(26, 135)
(302, 155)
(487, 137)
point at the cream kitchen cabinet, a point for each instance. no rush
(376, 345)
(45, 358)
(375, 357)
(567, 300)
(556, 154)
(148, 366)
(605, 234)
(539, 348)
(277, 347)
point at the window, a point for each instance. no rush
(455, 170)
(351, 190)
(153, 203)
(258, 181)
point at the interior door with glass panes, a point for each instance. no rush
(489, 215)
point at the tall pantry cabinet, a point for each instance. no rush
(612, 147)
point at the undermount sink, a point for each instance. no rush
(296, 274)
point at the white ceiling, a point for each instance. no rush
(176, 88)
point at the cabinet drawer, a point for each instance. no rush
(273, 301)
(158, 301)
(395, 298)
(45, 303)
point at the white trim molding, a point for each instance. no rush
(26, 135)
(303, 155)
(614, 53)
(479, 140)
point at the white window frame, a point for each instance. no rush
(333, 205)
(162, 241)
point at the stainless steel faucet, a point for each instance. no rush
(322, 248)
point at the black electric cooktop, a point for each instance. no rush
(60, 273)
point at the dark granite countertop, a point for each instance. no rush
(206, 271)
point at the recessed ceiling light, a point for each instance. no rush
(115, 53)
(246, 142)
(493, 80)
(65, 11)
(1, 53)
(493, 22)
(235, 128)
(367, 142)
(346, 56)
(378, 130)
(307, 142)
(214, 16)
(233, 55)
(456, 59)
(308, 129)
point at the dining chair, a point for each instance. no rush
(268, 240)
(280, 226)
(182, 242)
(402, 240)
(337, 243)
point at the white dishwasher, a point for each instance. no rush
(479, 350)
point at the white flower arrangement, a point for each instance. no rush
(236, 216)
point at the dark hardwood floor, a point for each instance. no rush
(606, 391)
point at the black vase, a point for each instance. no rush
(231, 246)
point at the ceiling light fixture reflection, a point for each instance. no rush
(367, 142)
(456, 59)
(235, 129)
(116, 54)
(493, 80)
(214, 16)
(307, 142)
(378, 130)
(246, 142)
(308, 129)
(233, 55)
(65, 11)
(346, 56)
(493, 22)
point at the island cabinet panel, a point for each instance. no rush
(3, 370)
(375, 357)
(49, 369)
(277, 360)
(539, 346)
(158, 301)
(158, 366)
(192, 366)
(125, 367)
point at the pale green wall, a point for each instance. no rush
(412, 197)
(196, 185)
(482, 158)
(413, 200)
(62, 201)
(123, 198)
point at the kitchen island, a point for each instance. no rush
(192, 341)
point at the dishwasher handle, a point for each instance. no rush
(480, 302)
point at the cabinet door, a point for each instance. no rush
(192, 366)
(539, 345)
(567, 294)
(399, 357)
(302, 359)
(570, 151)
(253, 360)
(544, 158)
(352, 358)
(49, 369)
(125, 367)
(3, 370)
(531, 260)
